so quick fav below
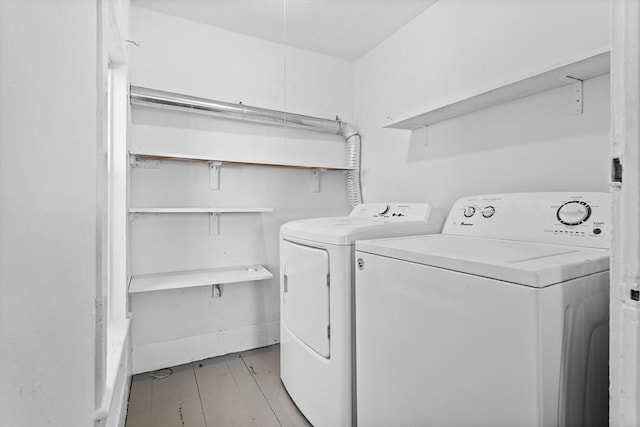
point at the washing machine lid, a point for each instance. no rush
(530, 264)
(345, 230)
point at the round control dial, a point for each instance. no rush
(382, 209)
(488, 211)
(469, 211)
(573, 213)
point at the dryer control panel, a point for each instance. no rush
(564, 218)
(394, 212)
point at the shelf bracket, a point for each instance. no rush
(420, 135)
(214, 224)
(143, 215)
(315, 179)
(576, 98)
(216, 291)
(138, 162)
(214, 175)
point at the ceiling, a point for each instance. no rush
(343, 28)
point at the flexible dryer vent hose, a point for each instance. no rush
(354, 190)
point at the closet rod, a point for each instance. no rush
(175, 101)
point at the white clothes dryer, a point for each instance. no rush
(501, 320)
(316, 307)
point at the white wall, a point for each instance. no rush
(461, 48)
(182, 56)
(48, 132)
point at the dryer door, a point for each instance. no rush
(305, 294)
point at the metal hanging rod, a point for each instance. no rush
(175, 101)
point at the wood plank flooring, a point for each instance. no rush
(239, 389)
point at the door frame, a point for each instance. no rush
(625, 191)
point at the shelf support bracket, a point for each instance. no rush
(214, 175)
(576, 99)
(143, 215)
(315, 179)
(216, 291)
(420, 135)
(138, 162)
(214, 224)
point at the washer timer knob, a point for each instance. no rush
(574, 212)
(469, 211)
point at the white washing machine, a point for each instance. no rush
(501, 320)
(316, 310)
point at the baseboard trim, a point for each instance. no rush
(160, 355)
(118, 416)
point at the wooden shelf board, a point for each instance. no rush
(587, 68)
(194, 278)
(195, 158)
(199, 210)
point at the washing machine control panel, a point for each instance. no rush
(396, 212)
(566, 218)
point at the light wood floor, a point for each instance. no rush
(239, 389)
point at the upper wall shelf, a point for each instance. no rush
(139, 154)
(562, 75)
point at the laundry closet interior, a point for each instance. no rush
(226, 120)
(210, 193)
